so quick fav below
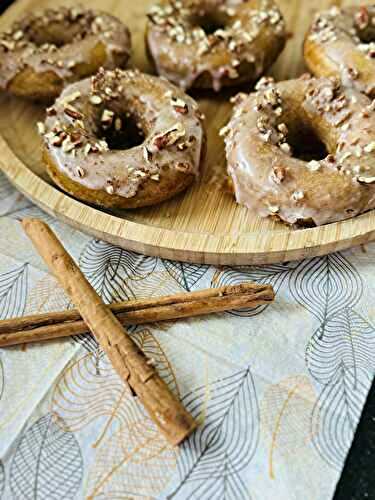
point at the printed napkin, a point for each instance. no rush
(278, 390)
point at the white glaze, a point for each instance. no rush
(126, 170)
(100, 28)
(321, 191)
(334, 48)
(255, 29)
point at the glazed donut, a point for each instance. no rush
(259, 147)
(42, 53)
(341, 43)
(214, 43)
(123, 139)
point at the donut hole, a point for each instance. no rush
(209, 22)
(365, 34)
(209, 25)
(55, 36)
(305, 143)
(129, 135)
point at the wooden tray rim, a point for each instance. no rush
(194, 247)
(258, 247)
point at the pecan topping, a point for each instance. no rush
(362, 18)
(96, 100)
(51, 111)
(180, 106)
(366, 180)
(278, 174)
(107, 117)
(169, 137)
(73, 113)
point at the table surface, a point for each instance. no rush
(357, 480)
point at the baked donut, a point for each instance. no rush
(214, 43)
(123, 139)
(44, 52)
(268, 127)
(341, 43)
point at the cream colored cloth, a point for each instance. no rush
(278, 390)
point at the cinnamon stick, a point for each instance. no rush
(53, 325)
(127, 359)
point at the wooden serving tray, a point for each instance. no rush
(202, 225)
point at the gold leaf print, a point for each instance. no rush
(89, 389)
(153, 350)
(46, 295)
(216, 277)
(135, 460)
(285, 416)
(158, 283)
(1, 380)
(207, 395)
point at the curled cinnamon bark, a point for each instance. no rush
(127, 359)
(54, 325)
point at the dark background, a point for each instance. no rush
(357, 481)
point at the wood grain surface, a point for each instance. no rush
(204, 224)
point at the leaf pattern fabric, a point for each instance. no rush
(274, 275)
(135, 461)
(10, 199)
(47, 463)
(2, 479)
(340, 353)
(277, 390)
(46, 295)
(2, 380)
(5, 187)
(230, 434)
(346, 341)
(326, 285)
(104, 263)
(102, 266)
(13, 292)
(286, 411)
(29, 210)
(229, 486)
(337, 412)
(90, 390)
(186, 275)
